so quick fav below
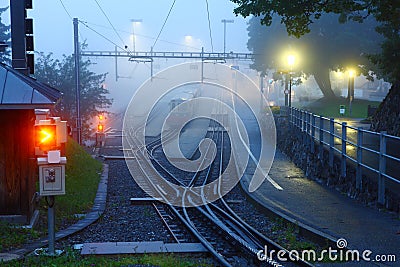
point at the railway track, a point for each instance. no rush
(230, 240)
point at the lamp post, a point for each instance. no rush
(188, 42)
(133, 32)
(291, 61)
(351, 89)
(225, 21)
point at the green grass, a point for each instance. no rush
(330, 107)
(289, 236)
(73, 258)
(82, 179)
(275, 109)
(13, 237)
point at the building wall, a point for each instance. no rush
(17, 162)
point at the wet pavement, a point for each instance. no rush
(329, 211)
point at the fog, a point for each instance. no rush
(186, 29)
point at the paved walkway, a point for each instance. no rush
(330, 212)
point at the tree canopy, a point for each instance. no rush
(329, 45)
(61, 75)
(299, 15)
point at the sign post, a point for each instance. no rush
(342, 110)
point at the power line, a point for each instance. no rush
(109, 21)
(65, 9)
(144, 36)
(69, 15)
(90, 28)
(209, 27)
(165, 22)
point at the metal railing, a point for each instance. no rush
(375, 152)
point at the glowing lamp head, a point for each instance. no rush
(188, 38)
(100, 128)
(291, 60)
(101, 117)
(45, 137)
(352, 73)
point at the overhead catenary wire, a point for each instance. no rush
(109, 21)
(90, 28)
(69, 15)
(209, 27)
(145, 36)
(165, 22)
(125, 47)
(65, 9)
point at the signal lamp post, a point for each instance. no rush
(100, 136)
(225, 21)
(50, 136)
(133, 32)
(291, 61)
(351, 89)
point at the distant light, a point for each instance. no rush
(291, 60)
(136, 21)
(188, 38)
(351, 73)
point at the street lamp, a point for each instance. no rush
(350, 90)
(290, 61)
(133, 31)
(188, 42)
(225, 21)
(188, 38)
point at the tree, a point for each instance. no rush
(5, 36)
(328, 46)
(61, 75)
(299, 15)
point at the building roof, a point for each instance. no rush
(18, 91)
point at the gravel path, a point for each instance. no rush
(122, 221)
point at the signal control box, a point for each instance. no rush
(51, 176)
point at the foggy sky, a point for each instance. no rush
(53, 32)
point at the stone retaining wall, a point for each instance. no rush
(297, 146)
(387, 117)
